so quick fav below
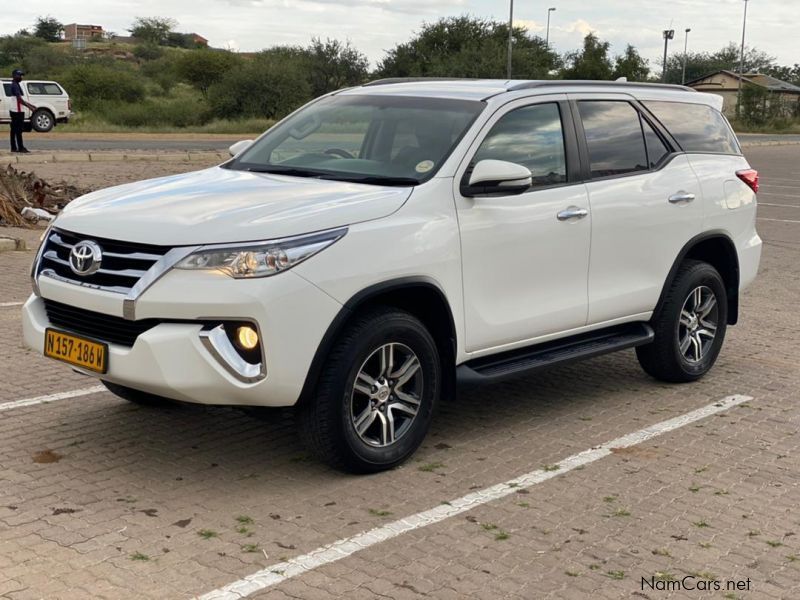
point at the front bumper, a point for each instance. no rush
(172, 360)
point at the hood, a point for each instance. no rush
(219, 205)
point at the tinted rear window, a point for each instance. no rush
(614, 137)
(696, 127)
(44, 89)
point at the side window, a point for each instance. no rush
(531, 136)
(36, 89)
(697, 127)
(52, 89)
(656, 149)
(7, 89)
(614, 137)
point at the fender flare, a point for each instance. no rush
(349, 309)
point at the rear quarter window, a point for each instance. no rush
(44, 89)
(696, 127)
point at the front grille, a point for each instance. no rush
(122, 265)
(95, 325)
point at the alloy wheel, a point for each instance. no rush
(698, 322)
(386, 395)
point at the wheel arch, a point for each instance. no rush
(46, 109)
(421, 296)
(717, 249)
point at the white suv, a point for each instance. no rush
(386, 239)
(50, 99)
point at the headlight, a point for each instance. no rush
(259, 259)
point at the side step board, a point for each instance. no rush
(532, 358)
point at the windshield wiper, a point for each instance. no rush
(375, 179)
(291, 171)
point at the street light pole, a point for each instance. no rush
(510, 36)
(668, 35)
(741, 65)
(547, 38)
(685, 55)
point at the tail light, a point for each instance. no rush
(750, 177)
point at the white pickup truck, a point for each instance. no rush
(50, 99)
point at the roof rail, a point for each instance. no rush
(525, 85)
(389, 80)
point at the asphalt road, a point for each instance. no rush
(39, 142)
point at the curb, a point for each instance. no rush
(36, 158)
(9, 244)
(745, 144)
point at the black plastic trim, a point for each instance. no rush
(349, 308)
(732, 290)
(561, 351)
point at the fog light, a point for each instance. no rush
(246, 337)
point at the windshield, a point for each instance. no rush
(389, 140)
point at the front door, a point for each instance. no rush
(524, 260)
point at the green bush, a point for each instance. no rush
(203, 68)
(148, 51)
(89, 84)
(263, 87)
(160, 113)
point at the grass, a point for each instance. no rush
(621, 512)
(376, 512)
(694, 488)
(774, 543)
(430, 467)
(550, 467)
(663, 576)
(616, 574)
(93, 123)
(661, 552)
(207, 534)
(139, 556)
(250, 548)
(571, 573)
(501, 535)
(701, 523)
(781, 126)
(244, 520)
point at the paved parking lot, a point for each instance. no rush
(100, 498)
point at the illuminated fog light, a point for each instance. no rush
(246, 337)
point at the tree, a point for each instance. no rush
(48, 29)
(14, 48)
(700, 64)
(92, 83)
(631, 65)
(203, 68)
(335, 65)
(263, 87)
(784, 73)
(154, 30)
(591, 62)
(468, 47)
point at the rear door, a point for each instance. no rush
(645, 203)
(5, 102)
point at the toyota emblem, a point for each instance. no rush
(85, 258)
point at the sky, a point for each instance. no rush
(374, 26)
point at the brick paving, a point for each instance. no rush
(103, 499)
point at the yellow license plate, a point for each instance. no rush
(76, 350)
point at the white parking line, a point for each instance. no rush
(7, 304)
(51, 398)
(778, 220)
(343, 548)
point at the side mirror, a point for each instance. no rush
(240, 147)
(497, 177)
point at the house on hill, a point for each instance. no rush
(75, 31)
(726, 84)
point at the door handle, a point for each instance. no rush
(572, 212)
(681, 197)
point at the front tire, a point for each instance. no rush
(689, 327)
(376, 393)
(43, 120)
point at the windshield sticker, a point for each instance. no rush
(424, 166)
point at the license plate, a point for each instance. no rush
(76, 350)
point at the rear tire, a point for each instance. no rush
(42, 120)
(689, 327)
(376, 394)
(137, 396)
